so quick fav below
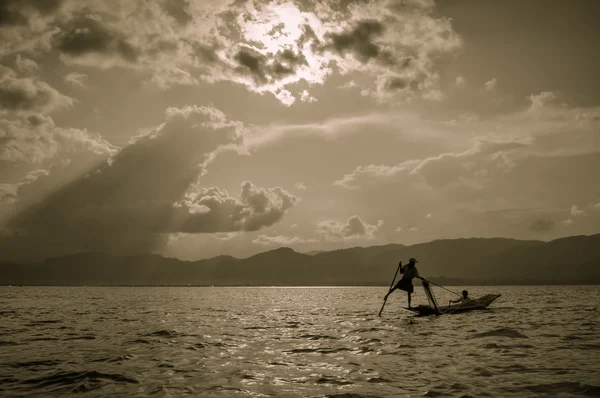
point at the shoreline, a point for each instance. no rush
(470, 284)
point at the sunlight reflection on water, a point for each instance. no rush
(325, 341)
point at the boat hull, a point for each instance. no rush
(476, 304)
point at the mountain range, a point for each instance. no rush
(472, 261)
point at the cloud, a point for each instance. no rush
(10, 192)
(264, 70)
(35, 139)
(178, 10)
(490, 84)
(541, 100)
(28, 94)
(335, 128)
(18, 12)
(460, 81)
(353, 228)
(148, 190)
(576, 211)
(520, 159)
(225, 235)
(300, 185)
(281, 240)
(359, 41)
(454, 168)
(306, 97)
(525, 223)
(464, 118)
(27, 25)
(538, 160)
(213, 210)
(76, 79)
(25, 64)
(399, 229)
(285, 97)
(555, 128)
(264, 46)
(364, 173)
(348, 85)
(482, 158)
(169, 77)
(87, 39)
(394, 44)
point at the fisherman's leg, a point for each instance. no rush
(390, 292)
(409, 300)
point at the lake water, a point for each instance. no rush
(296, 342)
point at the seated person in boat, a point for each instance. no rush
(409, 272)
(462, 300)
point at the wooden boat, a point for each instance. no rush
(433, 308)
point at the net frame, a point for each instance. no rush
(430, 297)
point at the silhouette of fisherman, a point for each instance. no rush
(409, 272)
(463, 300)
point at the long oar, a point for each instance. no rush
(391, 286)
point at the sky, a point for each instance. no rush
(193, 129)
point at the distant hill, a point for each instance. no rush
(572, 260)
(313, 252)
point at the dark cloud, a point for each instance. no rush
(264, 69)
(16, 12)
(359, 41)
(88, 33)
(123, 205)
(130, 203)
(403, 6)
(540, 225)
(396, 83)
(253, 61)
(308, 36)
(157, 41)
(178, 10)
(158, 45)
(205, 53)
(28, 94)
(43, 6)
(285, 63)
(10, 15)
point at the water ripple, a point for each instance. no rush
(302, 342)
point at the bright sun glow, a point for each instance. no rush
(277, 27)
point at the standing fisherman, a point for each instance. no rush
(409, 272)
